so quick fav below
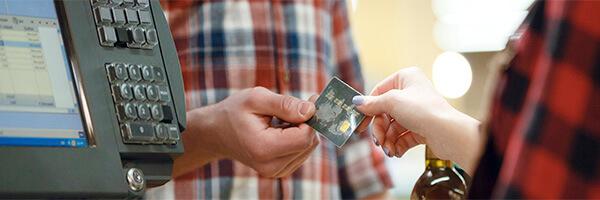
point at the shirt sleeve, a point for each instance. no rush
(362, 170)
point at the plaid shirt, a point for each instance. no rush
(544, 130)
(290, 47)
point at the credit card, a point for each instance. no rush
(336, 117)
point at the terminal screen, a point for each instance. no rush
(38, 97)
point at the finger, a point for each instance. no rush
(396, 81)
(287, 108)
(375, 105)
(389, 83)
(404, 143)
(281, 166)
(298, 160)
(381, 124)
(364, 125)
(287, 141)
(390, 138)
(313, 98)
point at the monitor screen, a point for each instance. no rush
(38, 99)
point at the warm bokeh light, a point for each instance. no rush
(451, 74)
(476, 25)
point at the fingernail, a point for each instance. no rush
(358, 100)
(386, 151)
(304, 108)
(375, 140)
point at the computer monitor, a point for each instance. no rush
(39, 105)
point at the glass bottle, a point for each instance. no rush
(440, 180)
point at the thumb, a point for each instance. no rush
(287, 108)
(372, 105)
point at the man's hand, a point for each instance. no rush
(239, 128)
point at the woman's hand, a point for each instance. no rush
(408, 111)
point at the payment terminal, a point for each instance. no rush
(91, 98)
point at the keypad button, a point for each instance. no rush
(151, 38)
(157, 112)
(162, 132)
(135, 73)
(126, 112)
(173, 134)
(122, 37)
(159, 74)
(138, 132)
(99, 2)
(103, 15)
(165, 95)
(144, 111)
(130, 111)
(117, 72)
(107, 35)
(145, 17)
(147, 73)
(132, 17)
(119, 16)
(167, 114)
(141, 4)
(137, 36)
(139, 92)
(128, 3)
(115, 3)
(125, 92)
(152, 92)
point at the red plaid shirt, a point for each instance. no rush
(544, 130)
(291, 47)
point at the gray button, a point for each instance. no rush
(125, 92)
(139, 92)
(126, 112)
(107, 35)
(142, 4)
(121, 71)
(103, 15)
(128, 3)
(147, 73)
(117, 72)
(130, 111)
(173, 134)
(144, 111)
(151, 38)
(145, 17)
(115, 3)
(159, 74)
(138, 36)
(119, 16)
(132, 17)
(162, 132)
(99, 2)
(138, 132)
(135, 72)
(165, 95)
(152, 92)
(156, 111)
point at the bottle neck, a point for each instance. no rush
(432, 161)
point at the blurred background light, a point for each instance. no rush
(451, 74)
(476, 25)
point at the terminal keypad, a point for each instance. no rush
(125, 23)
(141, 99)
